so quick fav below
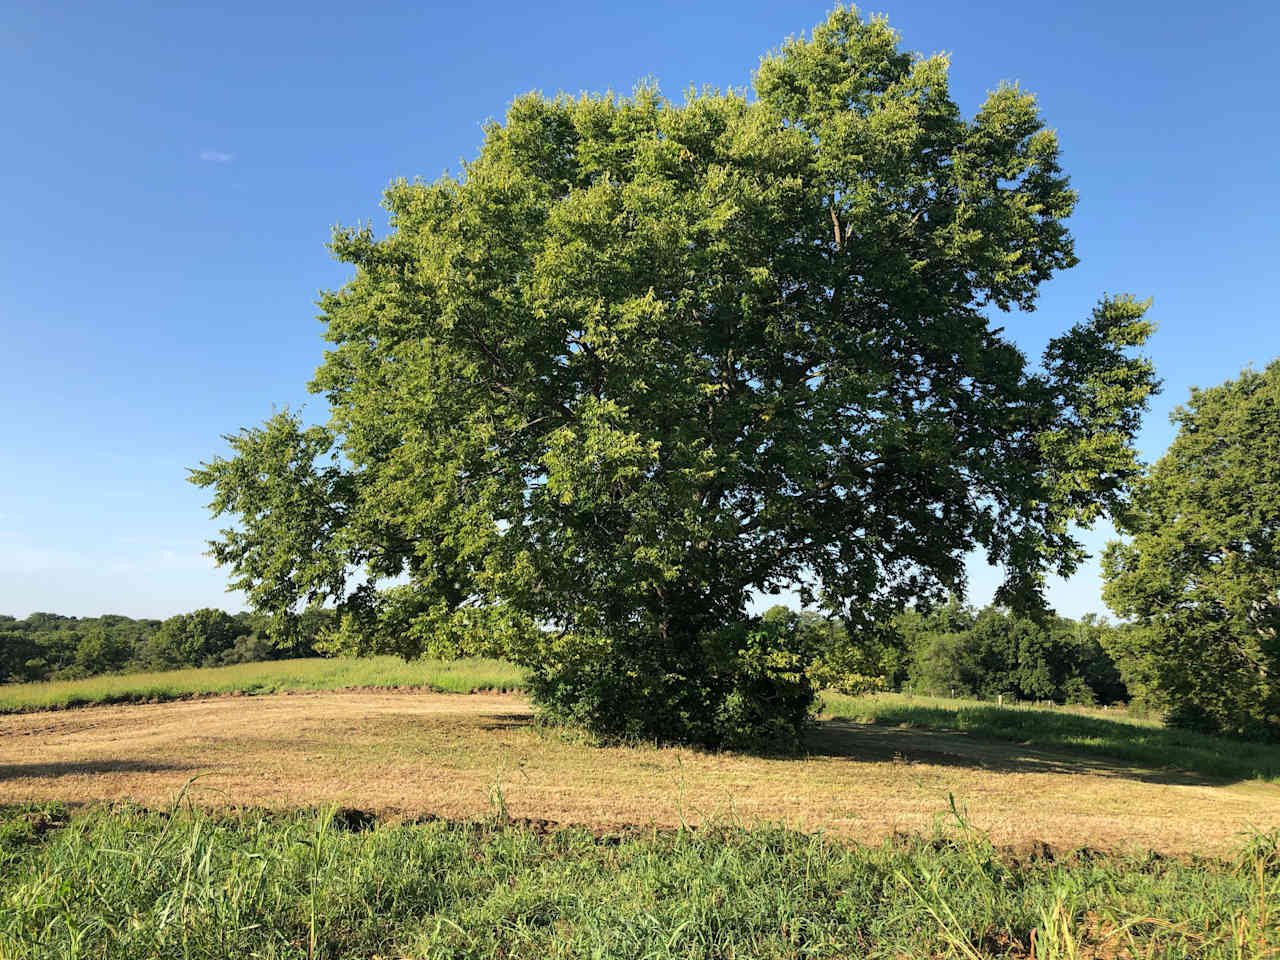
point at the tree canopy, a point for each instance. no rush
(1200, 573)
(642, 359)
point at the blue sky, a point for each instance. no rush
(170, 174)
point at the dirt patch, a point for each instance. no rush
(405, 755)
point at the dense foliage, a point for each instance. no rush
(989, 653)
(47, 646)
(645, 358)
(954, 650)
(1200, 574)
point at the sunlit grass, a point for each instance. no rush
(457, 676)
(1106, 733)
(125, 883)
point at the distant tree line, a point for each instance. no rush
(950, 649)
(48, 646)
(954, 649)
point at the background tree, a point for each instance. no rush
(644, 358)
(1091, 637)
(1201, 572)
(103, 648)
(199, 638)
(1134, 658)
(20, 655)
(996, 652)
(55, 639)
(835, 663)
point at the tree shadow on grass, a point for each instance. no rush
(50, 770)
(507, 721)
(878, 743)
(907, 744)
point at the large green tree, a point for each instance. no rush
(1200, 574)
(642, 359)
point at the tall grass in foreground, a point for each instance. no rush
(456, 676)
(1110, 734)
(124, 884)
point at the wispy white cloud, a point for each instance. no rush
(22, 559)
(27, 559)
(216, 156)
(181, 559)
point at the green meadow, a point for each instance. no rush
(456, 676)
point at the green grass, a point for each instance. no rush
(458, 676)
(1109, 734)
(127, 883)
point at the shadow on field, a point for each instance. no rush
(11, 771)
(876, 743)
(506, 721)
(890, 743)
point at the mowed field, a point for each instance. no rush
(409, 755)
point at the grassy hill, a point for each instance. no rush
(455, 676)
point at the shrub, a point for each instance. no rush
(743, 686)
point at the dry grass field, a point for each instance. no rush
(409, 755)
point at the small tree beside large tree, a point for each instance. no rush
(1200, 574)
(643, 359)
